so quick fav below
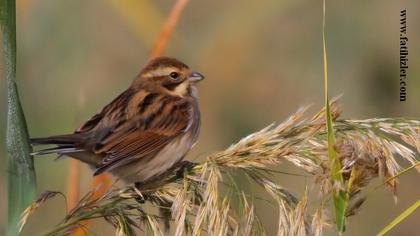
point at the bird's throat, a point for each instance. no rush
(182, 89)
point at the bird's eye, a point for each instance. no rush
(174, 75)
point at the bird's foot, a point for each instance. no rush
(140, 198)
(185, 167)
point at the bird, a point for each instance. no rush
(143, 132)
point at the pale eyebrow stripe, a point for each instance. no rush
(161, 71)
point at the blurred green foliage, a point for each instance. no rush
(21, 187)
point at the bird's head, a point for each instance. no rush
(169, 75)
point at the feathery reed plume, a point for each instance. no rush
(35, 205)
(203, 200)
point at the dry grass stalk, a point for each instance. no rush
(34, 206)
(319, 220)
(202, 202)
(168, 28)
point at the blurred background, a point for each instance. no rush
(262, 61)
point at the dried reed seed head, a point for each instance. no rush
(198, 205)
(43, 197)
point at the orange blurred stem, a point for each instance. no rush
(102, 180)
(73, 183)
(168, 28)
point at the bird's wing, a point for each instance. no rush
(116, 107)
(147, 123)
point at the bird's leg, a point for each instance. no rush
(180, 169)
(140, 198)
(183, 167)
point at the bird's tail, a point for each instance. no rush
(66, 144)
(65, 139)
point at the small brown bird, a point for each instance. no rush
(143, 132)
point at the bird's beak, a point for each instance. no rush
(195, 77)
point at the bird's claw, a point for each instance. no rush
(185, 167)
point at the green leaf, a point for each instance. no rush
(400, 218)
(21, 173)
(340, 198)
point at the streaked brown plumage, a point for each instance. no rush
(144, 131)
